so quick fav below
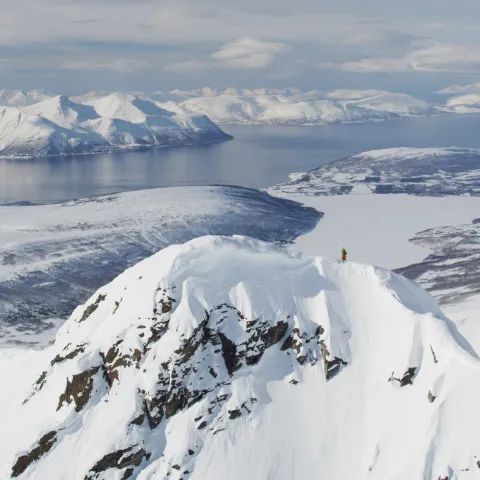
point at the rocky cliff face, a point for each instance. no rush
(229, 355)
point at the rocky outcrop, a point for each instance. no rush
(120, 460)
(43, 447)
(78, 389)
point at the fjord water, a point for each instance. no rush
(258, 157)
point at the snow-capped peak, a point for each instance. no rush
(63, 111)
(231, 358)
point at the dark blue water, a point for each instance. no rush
(258, 157)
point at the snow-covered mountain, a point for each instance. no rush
(54, 256)
(305, 108)
(21, 98)
(230, 358)
(59, 126)
(469, 103)
(416, 171)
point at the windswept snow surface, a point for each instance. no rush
(54, 256)
(230, 358)
(305, 108)
(59, 126)
(416, 171)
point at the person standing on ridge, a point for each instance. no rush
(344, 255)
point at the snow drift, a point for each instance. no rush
(59, 126)
(230, 358)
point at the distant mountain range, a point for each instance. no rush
(34, 123)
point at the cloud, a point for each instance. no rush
(248, 53)
(243, 54)
(120, 65)
(440, 58)
(192, 66)
(462, 89)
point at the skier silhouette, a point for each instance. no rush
(344, 255)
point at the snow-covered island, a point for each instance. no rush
(231, 358)
(416, 171)
(117, 122)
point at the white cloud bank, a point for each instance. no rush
(444, 58)
(120, 65)
(460, 89)
(242, 54)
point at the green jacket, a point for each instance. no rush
(344, 252)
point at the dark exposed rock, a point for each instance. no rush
(212, 372)
(40, 382)
(138, 420)
(176, 467)
(434, 356)
(166, 304)
(45, 444)
(274, 334)
(229, 352)
(232, 414)
(78, 389)
(61, 358)
(294, 382)
(128, 473)
(113, 361)
(407, 378)
(92, 307)
(154, 411)
(119, 460)
(190, 452)
(175, 404)
(253, 359)
(431, 397)
(331, 366)
(202, 425)
(117, 304)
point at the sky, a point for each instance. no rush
(72, 46)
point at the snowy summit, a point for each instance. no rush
(230, 358)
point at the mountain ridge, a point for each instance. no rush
(187, 363)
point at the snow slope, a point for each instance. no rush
(54, 256)
(59, 126)
(230, 358)
(416, 171)
(306, 108)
